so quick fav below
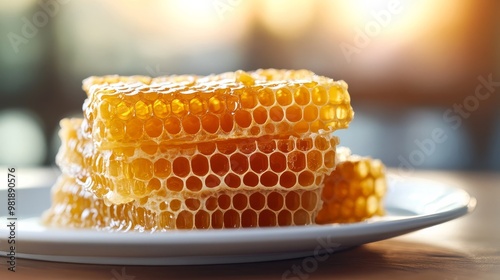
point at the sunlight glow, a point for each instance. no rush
(287, 20)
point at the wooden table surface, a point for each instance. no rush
(465, 248)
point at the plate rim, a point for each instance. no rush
(368, 231)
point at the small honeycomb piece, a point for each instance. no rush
(123, 111)
(354, 191)
(70, 157)
(74, 207)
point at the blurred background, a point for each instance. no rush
(422, 74)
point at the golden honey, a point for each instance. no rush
(238, 149)
(354, 191)
(124, 111)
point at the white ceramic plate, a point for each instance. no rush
(411, 204)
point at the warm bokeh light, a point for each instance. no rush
(174, 31)
(285, 19)
(428, 35)
(403, 18)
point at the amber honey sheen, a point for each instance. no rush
(222, 151)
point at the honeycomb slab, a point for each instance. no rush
(238, 149)
(75, 207)
(125, 111)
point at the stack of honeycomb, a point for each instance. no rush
(223, 151)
